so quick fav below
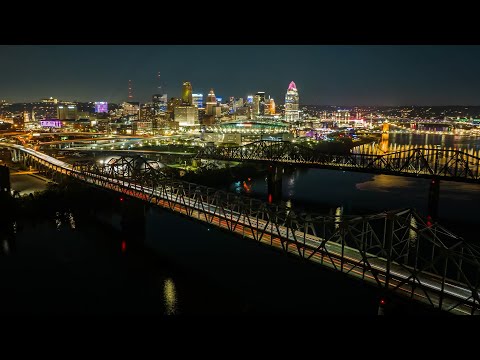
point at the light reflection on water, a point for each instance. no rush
(324, 191)
(385, 183)
(6, 247)
(169, 297)
(71, 219)
(338, 216)
(396, 142)
(58, 221)
(68, 219)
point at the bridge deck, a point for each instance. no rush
(425, 287)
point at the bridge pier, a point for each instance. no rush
(433, 198)
(274, 183)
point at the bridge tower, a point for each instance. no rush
(274, 183)
(385, 127)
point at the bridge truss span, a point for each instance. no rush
(448, 164)
(395, 250)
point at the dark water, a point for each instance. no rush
(83, 262)
(342, 192)
(323, 191)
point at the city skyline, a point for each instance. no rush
(325, 75)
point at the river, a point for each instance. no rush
(74, 257)
(335, 191)
(71, 255)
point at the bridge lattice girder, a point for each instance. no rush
(397, 250)
(401, 238)
(425, 162)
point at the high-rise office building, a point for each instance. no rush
(272, 107)
(239, 103)
(130, 109)
(256, 105)
(67, 112)
(187, 93)
(261, 102)
(172, 103)
(292, 112)
(186, 115)
(198, 100)
(249, 99)
(160, 103)
(211, 103)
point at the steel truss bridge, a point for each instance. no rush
(395, 250)
(426, 162)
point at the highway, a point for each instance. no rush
(317, 249)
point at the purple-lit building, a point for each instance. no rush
(101, 107)
(51, 123)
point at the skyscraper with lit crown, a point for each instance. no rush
(187, 93)
(211, 103)
(292, 112)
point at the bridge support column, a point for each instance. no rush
(433, 198)
(274, 183)
(16, 154)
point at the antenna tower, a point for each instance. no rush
(130, 90)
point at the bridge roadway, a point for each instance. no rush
(126, 151)
(334, 255)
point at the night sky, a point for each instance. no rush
(325, 75)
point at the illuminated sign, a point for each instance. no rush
(101, 107)
(51, 123)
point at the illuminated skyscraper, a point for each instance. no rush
(197, 100)
(211, 103)
(187, 93)
(67, 112)
(256, 106)
(160, 103)
(292, 112)
(186, 115)
(260, 108)
(272, 107)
